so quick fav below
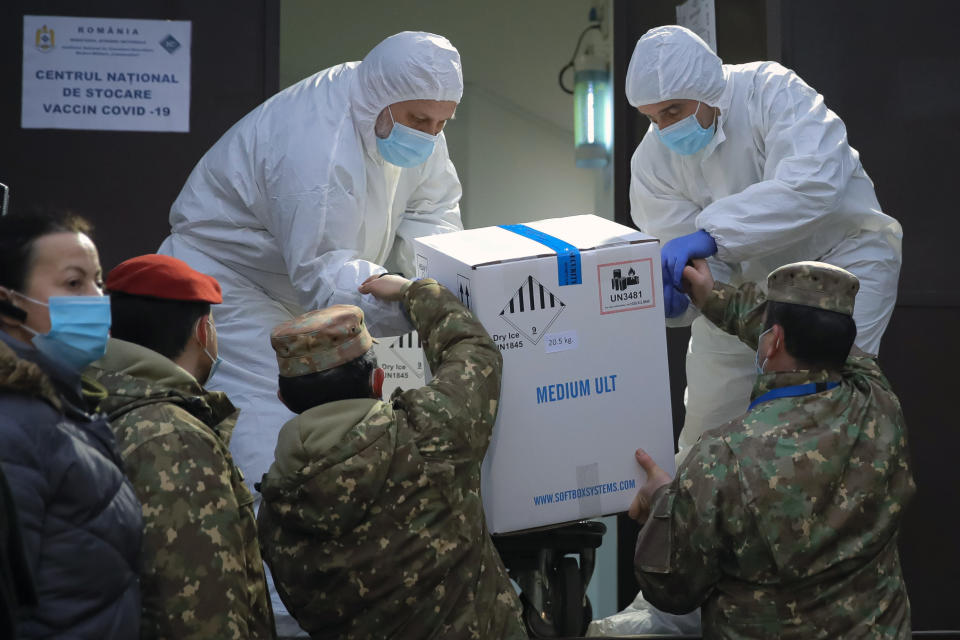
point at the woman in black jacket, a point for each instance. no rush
(79, 515)
(17, 593)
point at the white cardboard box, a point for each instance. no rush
(585, 363)
(402, 360)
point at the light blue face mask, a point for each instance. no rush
(687, 136)
(214, 366)
(406, 147)
(756, 357)
(79, 329)
(216, 361)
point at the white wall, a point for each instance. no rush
(512, 139)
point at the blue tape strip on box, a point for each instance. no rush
(568, 256)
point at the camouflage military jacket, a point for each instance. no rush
(202, 575)
(371, 520)
(783, 523)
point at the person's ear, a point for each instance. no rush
(377, 376)
(10, 314)
(776, 343)
(201, 331)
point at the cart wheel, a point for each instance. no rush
(537, 626)
(587, 615)
(570, 622)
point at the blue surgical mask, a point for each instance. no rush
(79, 329)
(406, 147)
(687, 136)
(756, 357)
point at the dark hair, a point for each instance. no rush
(20, 231)
(350, 380)
(816, 338)
(162, 325)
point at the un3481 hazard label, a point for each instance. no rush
(626, 286)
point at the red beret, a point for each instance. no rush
(159, 276)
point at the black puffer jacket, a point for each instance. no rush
(79, 515)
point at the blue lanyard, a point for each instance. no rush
(794, 390)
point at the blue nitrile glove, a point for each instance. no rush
(676, 253)
(675, 302)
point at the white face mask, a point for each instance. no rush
(756, 357)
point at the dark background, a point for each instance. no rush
(888, 68)
(125, 182)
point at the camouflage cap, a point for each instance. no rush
(320, 340)
(814, 284)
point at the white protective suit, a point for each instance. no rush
(294, 207)
(778, 183)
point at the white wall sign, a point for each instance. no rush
(105, 74)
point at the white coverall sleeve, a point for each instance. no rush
(319, 231)
(433, 207)
(656, 207)
(807, 163)
(659, 210)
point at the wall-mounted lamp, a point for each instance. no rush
(592, 96)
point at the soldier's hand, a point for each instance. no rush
(656, 478)
(697, 281)
(384, 287)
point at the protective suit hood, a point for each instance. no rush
(672, 63)
(411, 65)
